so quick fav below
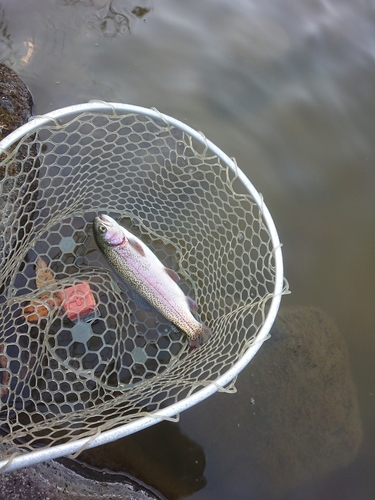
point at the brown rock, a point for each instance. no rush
(17, 171)
(15, 101)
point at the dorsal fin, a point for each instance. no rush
(172, 274)
(137, 246)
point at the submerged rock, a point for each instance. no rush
(294, 419)
(304, 389)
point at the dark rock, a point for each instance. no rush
(18, 168)
(53, 481)
(304, 389)
(15, 101)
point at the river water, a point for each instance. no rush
(288, 89)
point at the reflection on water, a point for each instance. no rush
(162, 456)
(287, 87)
(112, 17)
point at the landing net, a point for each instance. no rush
(75, 378)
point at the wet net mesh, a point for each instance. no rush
(64, 377)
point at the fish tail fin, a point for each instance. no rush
(200, 339)
(206, 334)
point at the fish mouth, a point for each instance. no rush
(105, 219)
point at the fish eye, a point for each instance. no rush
(102, 229)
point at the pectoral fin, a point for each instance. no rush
(137, 246)
(172, 274)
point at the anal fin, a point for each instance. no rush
(193, 306)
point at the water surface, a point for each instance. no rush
(288, 89)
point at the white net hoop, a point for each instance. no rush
(70, 384)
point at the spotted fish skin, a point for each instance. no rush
(139, 267)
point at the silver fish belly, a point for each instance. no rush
(139, 267)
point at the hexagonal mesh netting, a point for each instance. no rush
(66, 376)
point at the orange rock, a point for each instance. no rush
(38, 309)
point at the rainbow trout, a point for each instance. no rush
(139, 267)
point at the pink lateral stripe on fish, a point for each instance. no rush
(139, 267)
